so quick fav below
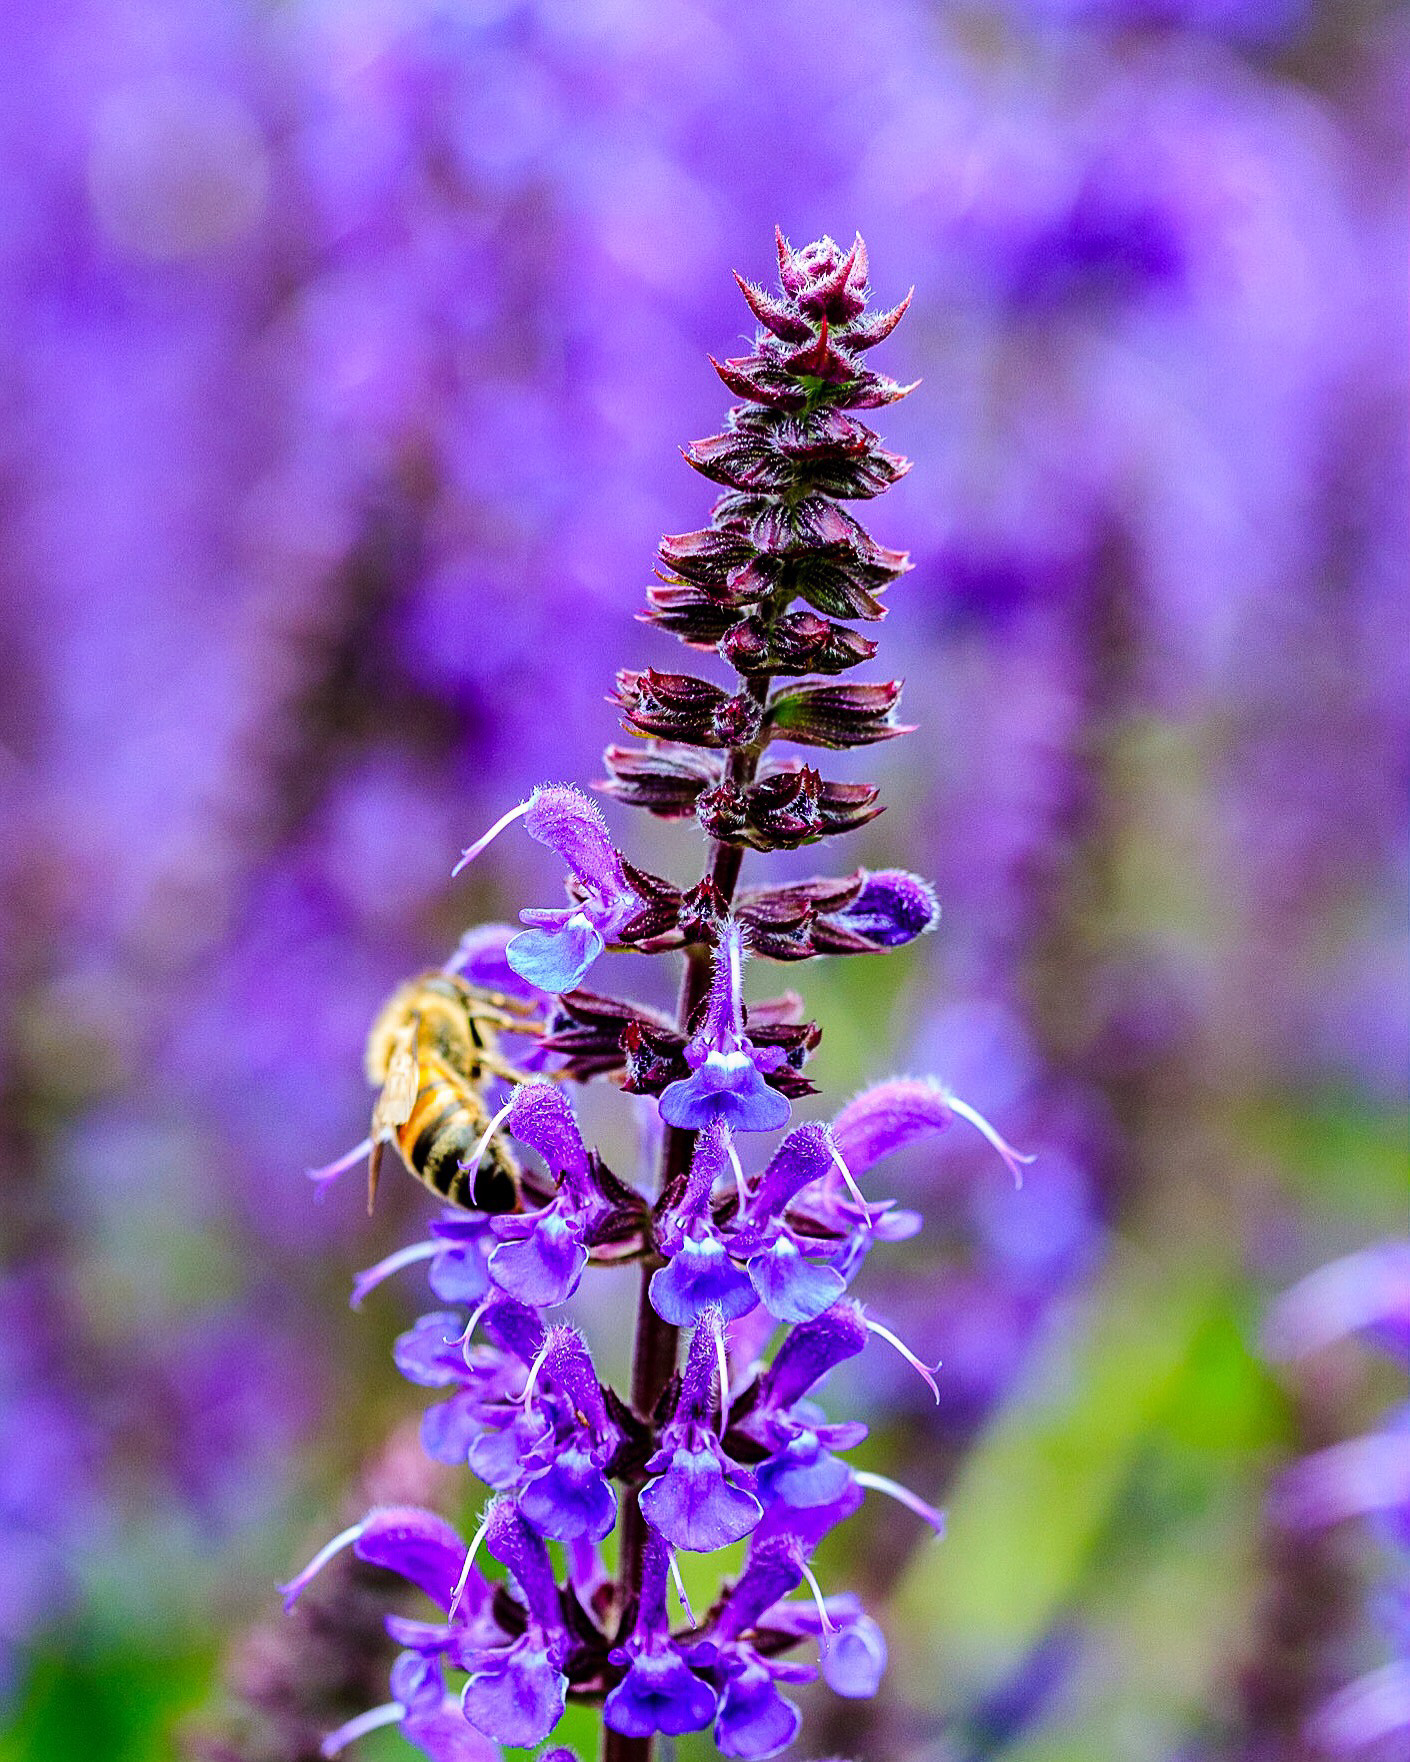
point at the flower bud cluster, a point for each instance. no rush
(721, 1446)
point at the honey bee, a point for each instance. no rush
(431, 1049)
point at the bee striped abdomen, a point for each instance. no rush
(438, 1143)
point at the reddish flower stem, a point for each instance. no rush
(656, 1344)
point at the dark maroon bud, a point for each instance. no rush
(738, 721)
(845, 806)
(665, 780)
(588, 1033)
(708, 558)
(698, 618)
(838, 587)
(783, 921)
(814, 523)
(838, 716)
(870, 391)
(759, 380)
(723, 814)
(828, 282)
(679, 706)
(740, 461)
(862, 913)
(774, 315)
(797, 642)
(651, 1059)
(821, 359)
(703, 909)
(868, 332)
(790, 806)
(661, 908)
(798, 1041)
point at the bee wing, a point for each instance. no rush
(398, 1096)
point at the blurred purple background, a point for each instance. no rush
(345, 351)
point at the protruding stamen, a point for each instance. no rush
(1012, 1158)
(465, 1570)
(741, 1190)
(722, 1358)
(880, 1483)
(473, 1164)
(468, 856)
(680, 1587)
(297, 1586)
(368, 1281)
(875, 1327)
(390, 1713)
(534, 1370)
(331, 1170)
(825, 1621)
(852, 1186)
(464, 1339)
(734, 944)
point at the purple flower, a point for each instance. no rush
(700, 1500)
(792, 1287)
(458, 1250)
(542, 1254)
(420, 1546)
(699, 1274)
(562, 943)
(728, 1070)
(1364, 1477)
(516, 1694)
(659, 1691)
(1365, 1293)
(893, 908)
(1366, 1716)
(568, 1496)
(426, 1714)
(800, 1471)
(892, 1115)
(485, 1423)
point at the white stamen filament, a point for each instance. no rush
(852, 1186)
(468, 856)
(464, 1578)
(390, 1713)
(875, 1327)
(534, 1370)
(680, 1587)
(826, 1621)
(367, 1282)
(474, 1163)
(331, 1170)
(1012, 1158)
(463, 1339)
(741, 1190)
(733, 945)
(723, 1358)
(880, 1483)
(297, 1585)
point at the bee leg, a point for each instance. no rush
(374, 1171)
(514, 1006)
(508, 1024)
(500, 1067)
(332, 1170)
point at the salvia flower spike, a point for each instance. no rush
(724, 1449)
